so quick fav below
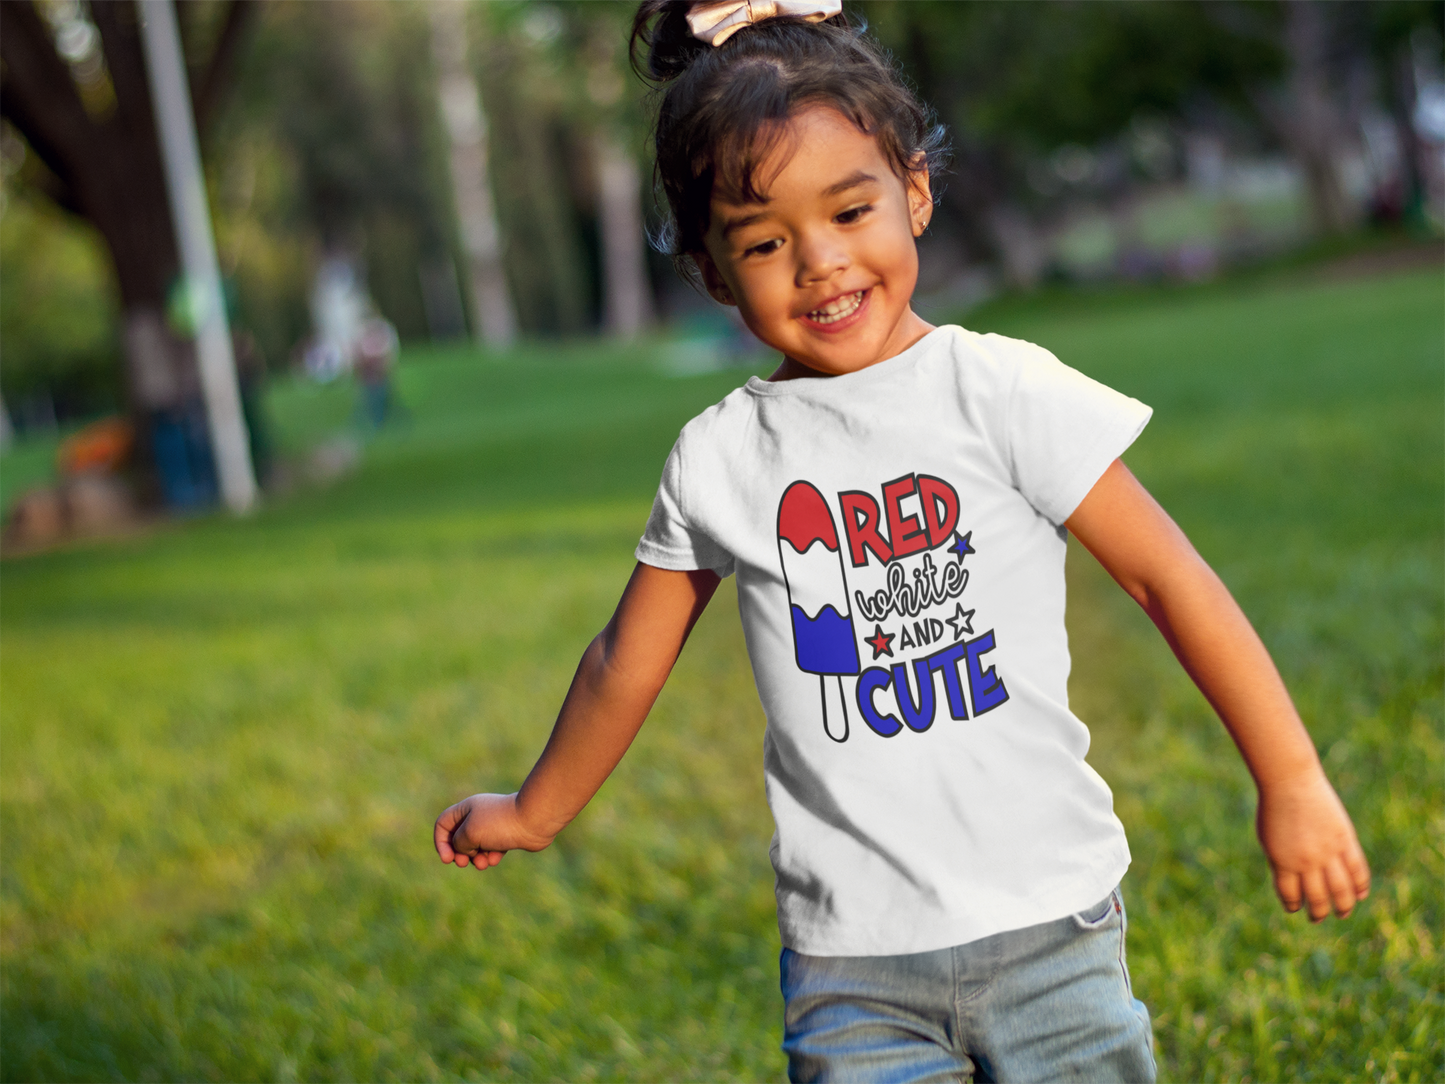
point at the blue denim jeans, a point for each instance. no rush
(1045, 1003)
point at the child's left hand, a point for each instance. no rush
(1304, 829)
(1311, 846)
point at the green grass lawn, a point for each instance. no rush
(222, 746)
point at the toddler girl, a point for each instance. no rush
(895, 502)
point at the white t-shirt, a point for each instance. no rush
(898, 542)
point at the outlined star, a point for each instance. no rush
(961, 545)
(882, 642)
(960, 622)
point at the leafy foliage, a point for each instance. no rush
(1042, 74)
(57, 308)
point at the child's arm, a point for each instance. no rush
(619, 677)
(1304, 829)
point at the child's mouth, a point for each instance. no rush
(840, 308)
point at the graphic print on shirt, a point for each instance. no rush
(824, 640)
(904, 563)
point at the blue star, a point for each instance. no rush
(960, 545)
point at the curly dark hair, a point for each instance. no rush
(721, 107)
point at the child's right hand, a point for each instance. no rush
(619, 677)
(479, 830)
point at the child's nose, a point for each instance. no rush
(819, 259)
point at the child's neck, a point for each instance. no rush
(793, 369)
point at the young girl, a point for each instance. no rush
(895, 502)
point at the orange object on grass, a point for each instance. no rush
(102, 445)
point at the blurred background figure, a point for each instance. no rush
(376, 349)
(338, 309)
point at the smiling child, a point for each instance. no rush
(895, 502)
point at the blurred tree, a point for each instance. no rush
(1015, 81)
(1326, 46)
(606, 104)
(566, 147)
(73, 83)
(1304, 109)
(57, 319)
(341, 97)
(524, 65)
(1397, 29)
(494, 319)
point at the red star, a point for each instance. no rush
(881, 641)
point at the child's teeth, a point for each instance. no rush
(836, 309)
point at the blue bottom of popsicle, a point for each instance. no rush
(825, 644)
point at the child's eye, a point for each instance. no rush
(763, 249)
(853, 214)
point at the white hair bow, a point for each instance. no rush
(717, 20)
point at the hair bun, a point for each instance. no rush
(660, 28)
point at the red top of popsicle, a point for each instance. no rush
(803, 518)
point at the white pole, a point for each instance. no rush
(176, 126)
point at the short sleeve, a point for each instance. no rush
(1063, 431)
(671, 541)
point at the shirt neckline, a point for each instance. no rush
(881, 370)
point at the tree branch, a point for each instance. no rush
(208, 91)
(38, 96)
(49, 181)
(119, 24)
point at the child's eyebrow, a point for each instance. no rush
(853, 180)
(732, 225)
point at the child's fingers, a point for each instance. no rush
(450, 834)
(1359, 871)
(1287, 886)
(1342, 889)
(442, 833)
(1317, 894)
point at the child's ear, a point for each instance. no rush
(717, 289)
(920, 201)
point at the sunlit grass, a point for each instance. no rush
(223, 745)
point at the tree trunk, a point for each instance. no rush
(1401, 98)
(552, 214)
(626, 292)
(108, 169)
(1310, 126)
(494, 319)
(109, 173)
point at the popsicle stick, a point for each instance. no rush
(832, 720)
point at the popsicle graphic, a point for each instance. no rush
(823, 638)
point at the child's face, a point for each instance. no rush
(823, 270)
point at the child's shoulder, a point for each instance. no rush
(979, 363)
(992, 348)
(729, 416)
